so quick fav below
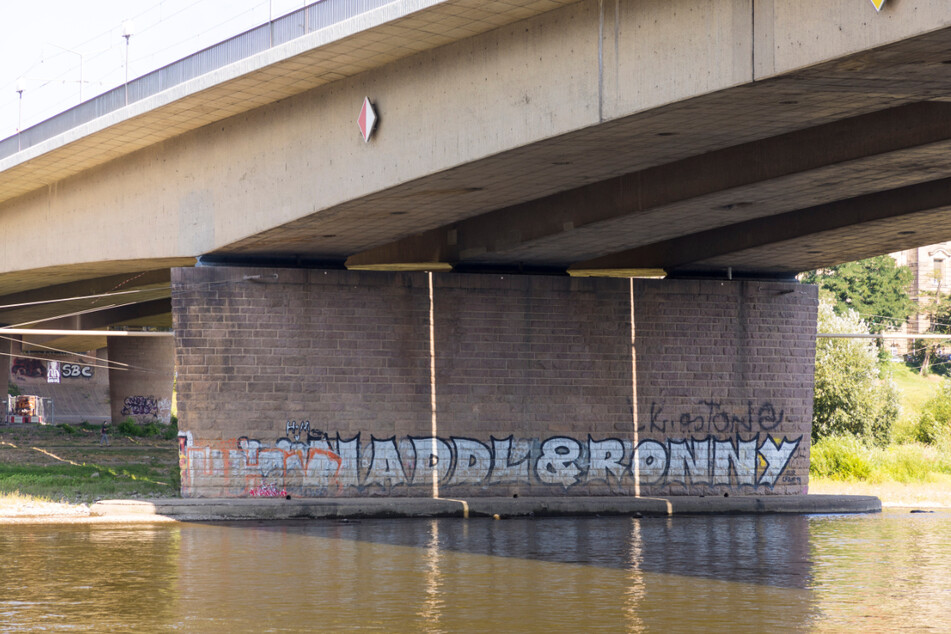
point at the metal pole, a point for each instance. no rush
(127, 33)
(20, 110)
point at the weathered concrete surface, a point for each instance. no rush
(142, 388)
(303, 508)
(571, 96)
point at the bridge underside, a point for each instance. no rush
(837, 162)
(527, 158)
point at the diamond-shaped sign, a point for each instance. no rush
(367, 119)
(878, 4)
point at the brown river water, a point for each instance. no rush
(877, 572)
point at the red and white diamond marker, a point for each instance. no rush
(367, 119)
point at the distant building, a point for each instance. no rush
(931, 277)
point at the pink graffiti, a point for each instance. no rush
(267, 491)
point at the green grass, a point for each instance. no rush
(66, 463)
(915, 389)
(847, 459)
(87, 482)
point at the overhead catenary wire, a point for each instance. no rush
(92, 365)
(168, 36)
(73, 314)
(77, 354)
(80, 297)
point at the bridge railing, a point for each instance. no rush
(311, 18)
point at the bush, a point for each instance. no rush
(934, 423)
(13, 389)
(66, 428)
(848, 458)
(151, 429)
(130, 428)
(171, 430)
(840, 458)
(852, 397)
(904, 463)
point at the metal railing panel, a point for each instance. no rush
(279, 31)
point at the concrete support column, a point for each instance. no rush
(144, 390)
(344, 383)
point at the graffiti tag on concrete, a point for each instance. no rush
(713, 417)
(148, 407)
(321, 466)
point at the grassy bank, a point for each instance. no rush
(66, 464)
(905, 473)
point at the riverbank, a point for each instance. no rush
(892, 494)
(66, 463)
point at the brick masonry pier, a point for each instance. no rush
(341, 383)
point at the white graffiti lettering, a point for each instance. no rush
(324, 466)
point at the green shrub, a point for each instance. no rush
(934, 423)
(840, 458)
(171, 430)
(151, 429)
(13, 389)
(130, 428)
(904, 463)
(848, 458)
(852, 397)
(66, 428)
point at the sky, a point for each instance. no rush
(48, 45)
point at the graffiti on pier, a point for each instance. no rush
(76, 371)
(321, 466)
(140, 406)
(267, 491)
(28, 368)
(712, 417)
(148, 407)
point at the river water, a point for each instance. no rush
(735, 573)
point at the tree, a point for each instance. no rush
(877, 288)
(939, 316)
(851, 395)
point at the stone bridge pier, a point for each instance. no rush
(347, 383)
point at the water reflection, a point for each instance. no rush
(771, 550)
(719, 573)
(55, 578)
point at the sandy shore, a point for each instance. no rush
(26, 510)
(892, 494)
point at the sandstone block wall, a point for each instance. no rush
(343, 383)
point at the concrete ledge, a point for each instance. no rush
(227, 509)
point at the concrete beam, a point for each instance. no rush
(873, 135)
(680, 253)
(60, 299)
(155, 312)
